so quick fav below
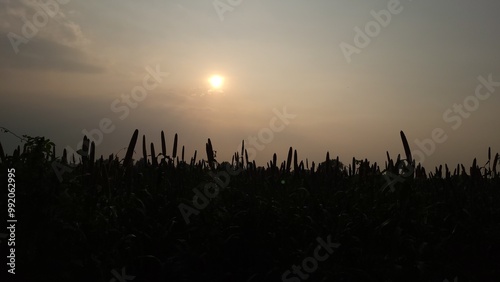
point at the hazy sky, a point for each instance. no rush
(351, 76)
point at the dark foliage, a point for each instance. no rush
(109, 216)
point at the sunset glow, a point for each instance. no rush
(216, 81)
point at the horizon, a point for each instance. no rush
(337, 77)
(137, 157)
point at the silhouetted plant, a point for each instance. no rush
(111, 214)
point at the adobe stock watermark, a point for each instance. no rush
(121, 277)
(223, 6)
(212, 189)
(310, 264)
(363, 38)
(453, 115)
(120, 106)
(45, 10)
(266, 134)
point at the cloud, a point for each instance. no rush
(36, 37)
(41, 54)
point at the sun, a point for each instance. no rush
(216, 81)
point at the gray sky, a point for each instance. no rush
(352, 73)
